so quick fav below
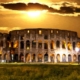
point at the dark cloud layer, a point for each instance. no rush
(65, 8)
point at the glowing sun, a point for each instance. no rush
(34, 13)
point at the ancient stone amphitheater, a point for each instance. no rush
(39, 45)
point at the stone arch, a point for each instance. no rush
(69, 46)
(74, 58)
(27, 44)
(58, 57)
(78, 44)
(21, 57)
(33, 57)
(63, 44)
(69, 58)
(0, 57)
(5, 56)
(27, 57)
(16, 57)
(22, 45)
(74, 45)
(79, 58)
(40, 44)
(63, 58)
(52, 57)
(45, 57)
(57, 44)
(33, 44)
(45, 45)
(40, 57)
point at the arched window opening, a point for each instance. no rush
(74, 45)
(78, 45)
(22, 45)
(58, 44)
(40, 32)
(79, 58)
(39, 45)
(5, 56)
(51, 31)
(16, 43)
(27, 57)
(69, 46)
(33, 58)
(28, 31)
(74, 58)
(16, 57)
(0, 57)
(52, 57)
(27, 44)
(69, 58)
(52, 34)
(52, 45)
(46, 57)
(21, 57)
(57, 32)
(28, 34)
(21, 37)
(8, 44)
(68, 34)
(0, 50)
(63, 58)
(58, 57)
(33, 44)
(12, 44)
(39, 57)
(63, 44)
(45, 36)
(1, 43)
(45, 45)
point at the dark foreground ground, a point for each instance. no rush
(21, 71)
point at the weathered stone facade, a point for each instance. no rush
(40, 45)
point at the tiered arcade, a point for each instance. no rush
(40, 45)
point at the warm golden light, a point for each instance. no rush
(34, 14)
(15, 44)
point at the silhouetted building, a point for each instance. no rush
(39, 45)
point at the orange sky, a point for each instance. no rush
(11, 19)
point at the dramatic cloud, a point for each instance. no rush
(65, 8)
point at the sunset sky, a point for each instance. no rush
(56, 14)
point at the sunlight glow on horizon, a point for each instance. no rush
(34, 14)
(34, 1)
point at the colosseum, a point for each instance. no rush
(39, 45)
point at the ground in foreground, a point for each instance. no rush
(39, 72)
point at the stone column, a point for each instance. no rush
(36, 57)
(72, 57)
(30, 57)
(55, 60)
(42, 45)
(66, 57)
(31, 45)
(49, 51)
(24, 46)
(37, 51)
(42, 57)
(60, 57)
(49, 58)
(19, 49)
(37, 45)
(8, 56)
(42, 51)
(2, 55)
